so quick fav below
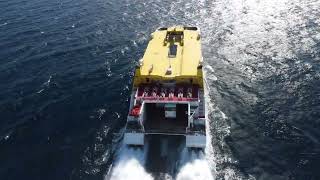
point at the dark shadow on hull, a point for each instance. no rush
(164, 155)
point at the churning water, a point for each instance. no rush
(65, 77)
(130, 165)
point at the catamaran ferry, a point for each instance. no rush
(168, 92)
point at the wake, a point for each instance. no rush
(129, 165)
(194, 166)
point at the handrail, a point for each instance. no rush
(165, 132)
(141, 115)
(196, 111)
(167, 99)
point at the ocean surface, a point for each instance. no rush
(66, 70)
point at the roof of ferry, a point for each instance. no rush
(156, 60)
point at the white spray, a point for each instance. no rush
(194, 166)
(129, 165)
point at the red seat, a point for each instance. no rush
(135, 111)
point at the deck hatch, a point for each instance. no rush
(172, 51)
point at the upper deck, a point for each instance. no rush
(172, 54)
(184, 57)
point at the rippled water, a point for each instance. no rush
(66, 69)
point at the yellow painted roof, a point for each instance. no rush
(156, 61)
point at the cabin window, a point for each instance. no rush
(163, 28)
(191, 28)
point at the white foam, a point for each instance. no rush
(197, 169)
(3, 24)
(130, 165)
(194, 166)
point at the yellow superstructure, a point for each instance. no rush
(172, 54)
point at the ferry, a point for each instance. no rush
(167, 96)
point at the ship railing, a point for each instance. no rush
(196, 121)
(142, 115)
(165, 132)
(195, 131)
(151, 91)
(194, 115)
(167, 99)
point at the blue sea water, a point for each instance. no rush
(66, 69)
